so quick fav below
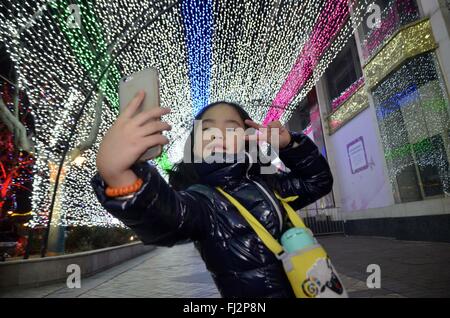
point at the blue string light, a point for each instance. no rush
(198, 28)
(399, 100)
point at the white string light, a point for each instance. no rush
(254, 45)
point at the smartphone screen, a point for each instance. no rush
(146, 80)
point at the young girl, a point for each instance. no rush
(191, 209)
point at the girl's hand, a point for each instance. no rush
(265, 133)
(127, 139)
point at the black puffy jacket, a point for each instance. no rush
(238, 261)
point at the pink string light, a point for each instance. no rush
(308, 129)
(329, 23)
(338, 101)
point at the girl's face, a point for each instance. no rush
(221, 130)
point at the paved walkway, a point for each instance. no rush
(408, 269)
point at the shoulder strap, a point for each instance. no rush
(271, 243)
(293, 216)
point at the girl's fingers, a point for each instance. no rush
(256, 137)
(264, 133)
(153, 128)
(154, 140)
(133, 106)
(154, 113)
(253, 124)
(275, 124)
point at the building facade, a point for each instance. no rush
(380, 114)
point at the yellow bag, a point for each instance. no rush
(309, 270)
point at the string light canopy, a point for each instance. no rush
(263, 54)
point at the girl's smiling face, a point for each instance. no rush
(221, 130)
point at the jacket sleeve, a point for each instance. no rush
(158, 214)
(310, 176)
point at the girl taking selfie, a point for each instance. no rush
(190, 209)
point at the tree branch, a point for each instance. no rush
(19, 131)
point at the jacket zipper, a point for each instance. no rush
(276, 206)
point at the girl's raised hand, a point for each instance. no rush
(267, 133)
(127, 139)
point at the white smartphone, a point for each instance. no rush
(148, 81)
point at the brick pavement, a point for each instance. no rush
(408, 269)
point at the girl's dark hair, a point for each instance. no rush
(183, 174)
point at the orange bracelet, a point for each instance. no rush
(118, 192)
